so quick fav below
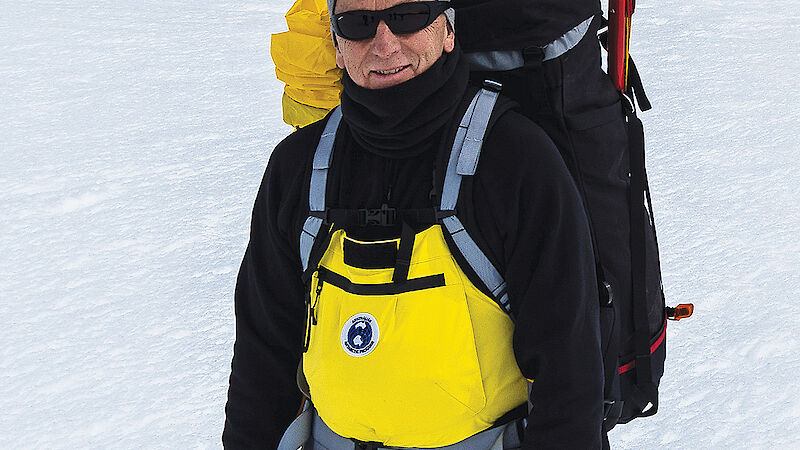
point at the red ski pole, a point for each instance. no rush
(619, 35)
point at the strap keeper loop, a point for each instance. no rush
(324, 215)
(445, 214)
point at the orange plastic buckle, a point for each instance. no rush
(681, 311)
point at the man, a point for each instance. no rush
(401, 341)
(546, 55)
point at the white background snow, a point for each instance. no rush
(133, 136)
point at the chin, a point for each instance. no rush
(384, 85)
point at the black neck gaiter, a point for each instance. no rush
(407, 119)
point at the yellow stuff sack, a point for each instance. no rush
(305, 60)
(300, 114)
(425, 362)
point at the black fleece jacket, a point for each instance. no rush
(523, 210)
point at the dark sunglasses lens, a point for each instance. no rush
(408, 18)
(401, 19)
(356, 25)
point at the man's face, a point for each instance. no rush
(388, 59)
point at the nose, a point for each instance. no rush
(385, 43)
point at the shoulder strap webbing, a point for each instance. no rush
(463, 162)
(316, 191)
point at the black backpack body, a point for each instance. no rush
(601, 141)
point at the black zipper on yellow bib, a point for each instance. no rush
(307, 335)
(316, 301)
(311, 312)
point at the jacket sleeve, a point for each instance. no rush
(546, 255)
(263, 397)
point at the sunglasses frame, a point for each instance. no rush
(435, 9)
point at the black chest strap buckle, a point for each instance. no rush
(383, 216)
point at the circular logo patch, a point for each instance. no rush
(360, 335)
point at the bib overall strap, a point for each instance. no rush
(316, 192)
(404, 251)
(464, 162)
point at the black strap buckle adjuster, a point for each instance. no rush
(494, 86)
(443, 214)
(324, 215)
(360, 445)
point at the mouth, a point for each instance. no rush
(390, 72)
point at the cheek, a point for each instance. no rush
(356, 54)
(429, 49)
(431, 43)
(353, 56)
(348, 56)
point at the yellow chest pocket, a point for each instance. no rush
(401, 362)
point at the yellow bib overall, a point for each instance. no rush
(424, 362)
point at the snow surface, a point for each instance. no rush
(134, 135)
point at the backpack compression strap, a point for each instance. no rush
(316, 191)
(463, 162)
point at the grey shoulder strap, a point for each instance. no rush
(309, 430)
(566, 42)
(319, 180)
(502, 60)
(467, 145)
(463, 161)
(299, 432)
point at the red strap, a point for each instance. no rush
(631, 365)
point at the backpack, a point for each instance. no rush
(601, 140)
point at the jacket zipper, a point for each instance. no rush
(390, 180)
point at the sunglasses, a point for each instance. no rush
(401, 19)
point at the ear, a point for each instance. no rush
(339, 57)
(450, 39)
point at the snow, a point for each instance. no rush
(133, 136)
